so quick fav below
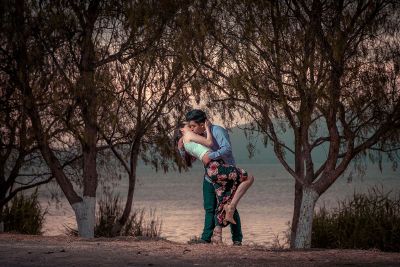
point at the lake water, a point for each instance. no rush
(264, 210)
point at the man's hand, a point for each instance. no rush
(206, 159)
(207, 124)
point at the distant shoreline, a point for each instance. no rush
(27, 250)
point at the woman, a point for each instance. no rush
(230, 183)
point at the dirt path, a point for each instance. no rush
(24, 250)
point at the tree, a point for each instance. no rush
(151, 92)
(77, 41)
(326, 70)
(18, 149)
(21, 164)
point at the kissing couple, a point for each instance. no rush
(224, 184)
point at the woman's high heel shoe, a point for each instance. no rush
(229, 214)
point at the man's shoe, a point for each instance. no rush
(237, 243)
(196, 240)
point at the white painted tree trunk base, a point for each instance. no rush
(304, 226)
(85, 213)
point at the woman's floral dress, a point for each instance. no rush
(226, 178)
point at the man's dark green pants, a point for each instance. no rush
(210, 204)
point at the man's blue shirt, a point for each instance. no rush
(222, 148)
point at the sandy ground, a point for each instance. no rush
(25, 250)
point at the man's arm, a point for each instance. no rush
(222, 138)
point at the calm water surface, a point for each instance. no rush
(264, 210)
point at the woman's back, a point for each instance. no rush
(195, 149)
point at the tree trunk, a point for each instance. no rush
(1, 215)
(85, 210)
(1, 220)
(298, 188)
(85, 213)
(304, 225)
(298, 194)
(85, 216)
(128, 205)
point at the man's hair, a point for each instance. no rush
(196, 115)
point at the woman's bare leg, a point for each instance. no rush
(240, 191)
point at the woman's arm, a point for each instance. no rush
(201, 139)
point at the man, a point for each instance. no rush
(222, 150)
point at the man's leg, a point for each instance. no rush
(236, 229)
(210, 203)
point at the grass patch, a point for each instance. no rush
(367, 220)
(24, 215)
(141, 223)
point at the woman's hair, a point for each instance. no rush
(177, 135)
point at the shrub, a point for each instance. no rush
(24, 215)
(369, 220)
(139, 224)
